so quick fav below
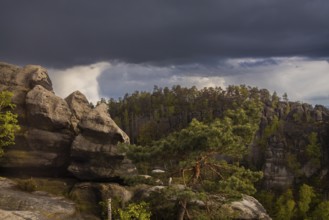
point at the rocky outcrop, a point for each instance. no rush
(59, 136)
(46, 111)
(249, 208)
(96, 145)
(98, 123)
(93, 160)
(276, 173)
(18, 204)
(284, 159)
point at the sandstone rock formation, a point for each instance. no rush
(79, 106)
(60, 135)
(249, 208)
(17, 204)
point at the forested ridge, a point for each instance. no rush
(288, 144)
(148, 116)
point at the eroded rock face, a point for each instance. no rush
(79, 106)
(20, 81)
(94, 151)
(47, 111)
(284, 159)
(276, 172)
(56, 133)
(98, 123)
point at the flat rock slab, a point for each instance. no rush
(18, 204)
(19, 215)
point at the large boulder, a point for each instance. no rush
(79, 106)
(94, 151)
(20, 81)
(99, 124)
(249, 208)
(47, 111)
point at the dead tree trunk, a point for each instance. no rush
(181, 210)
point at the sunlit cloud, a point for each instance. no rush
(82, 78)
(303, 79)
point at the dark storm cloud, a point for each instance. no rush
(68, 32)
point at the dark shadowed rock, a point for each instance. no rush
(39, 148)
(88, 195)
(94, 159)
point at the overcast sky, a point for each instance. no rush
(106, 48)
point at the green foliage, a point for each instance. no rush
(293, 204)
(28, 185)
(292, 163)
(297, 116)
(8, 121)
(271, 129)
(138, 211)
(240, 182)
(285, 97)
(313, 150)
(306, 194)
(116, 204)
(166, 203)
(267, 199)
(60, 187)
(285, 206)
(275, 99)
(321, 212)
(103, 207)
(135, 180)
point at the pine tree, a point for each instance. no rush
(205, 157)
